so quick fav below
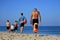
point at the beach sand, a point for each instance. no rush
(19, 36)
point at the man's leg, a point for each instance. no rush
(21, 29)
(9, 29)
(35, 27)
(15, 30)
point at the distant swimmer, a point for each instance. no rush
(22, 21)
(15, 26)
(35, 15)
(8, 25)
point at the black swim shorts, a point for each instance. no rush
(35, 21)
(22, 25)
(16, 28)
(8, 28)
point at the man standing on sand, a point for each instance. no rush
(22, 22)
(8, 25)
(34, 19)
(15, 26)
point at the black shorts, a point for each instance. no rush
(15, 28)
(8, 28)
(35, 21)
(22, 25)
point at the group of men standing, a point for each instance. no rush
(34, 20)
(12, 27)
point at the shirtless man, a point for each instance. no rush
(8, 25)
(34, 19)
(15, 26)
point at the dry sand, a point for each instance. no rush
(18, 36)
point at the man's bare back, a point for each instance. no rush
(15, 23)
(35, 15)
(7, 24)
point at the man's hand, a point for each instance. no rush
(22, 21)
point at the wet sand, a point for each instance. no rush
(19, 36)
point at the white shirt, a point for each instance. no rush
(12, 27)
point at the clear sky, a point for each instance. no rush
(49, 9)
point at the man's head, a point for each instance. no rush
(7, 20)
(21, 14)
(35, 9)
(16, 21)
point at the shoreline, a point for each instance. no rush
(20, 36)
(31, 33)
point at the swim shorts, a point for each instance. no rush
(15, 28)
(35, 21)
(8, 28)
(22, 25)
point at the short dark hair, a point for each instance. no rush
(35, 8)
(7, 20)
(16, 21)
(22, 14)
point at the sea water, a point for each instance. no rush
(48, 30)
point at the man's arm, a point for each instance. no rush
(39, 16)
(31, 18)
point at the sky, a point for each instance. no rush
(49, 10)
